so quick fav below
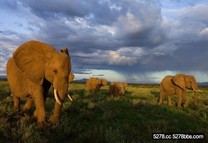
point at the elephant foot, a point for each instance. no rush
(16, 110)
(54, 119)
(27, 111)
(35, 114)
(179, 106)
(170, 104)
(186, 105)
(159, 103)
(42, 125)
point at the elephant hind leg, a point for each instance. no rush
(28, 105)
(185, 99)
(16, 103)
(160, 99)
(170, 100)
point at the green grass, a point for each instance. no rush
(103, 119)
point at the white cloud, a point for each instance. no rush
(117, 59)
(204, 32)
(125, 56)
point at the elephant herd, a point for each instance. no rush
(115, 88)
(36, 66)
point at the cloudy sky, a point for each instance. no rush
(126, 40)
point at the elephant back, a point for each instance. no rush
(31, 57)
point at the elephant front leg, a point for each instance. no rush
(179, 93)
(185, 99)
(179, 101)
(39, 104)
(170, 100)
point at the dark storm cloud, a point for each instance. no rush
(7, 32)
(98, 11)
(9, 4)
(102, 29)
(126, 36)
(133, 23)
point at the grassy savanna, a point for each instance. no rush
(101, 118)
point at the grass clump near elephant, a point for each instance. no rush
(117, 88)
(177, 85)
(31, 71)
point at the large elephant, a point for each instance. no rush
(117, 88)
(34, 67)
(177, 85)
(93, 85)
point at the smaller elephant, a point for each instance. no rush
(177, 85)
(117, 88)
(93, 85)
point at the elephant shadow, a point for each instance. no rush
(79, 92)
(156, 94)
(128, 93)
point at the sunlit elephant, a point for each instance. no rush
(34, 67)
(177, 85)
(93, 85)
(117, 88)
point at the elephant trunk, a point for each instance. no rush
(197, 90)
(60, 91)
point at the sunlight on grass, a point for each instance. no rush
(102, 118)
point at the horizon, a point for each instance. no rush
(137, 41)
(83, 80)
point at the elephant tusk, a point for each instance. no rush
(70, 98)
(56, 97)
(197, 90)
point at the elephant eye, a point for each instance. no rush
(55, 71)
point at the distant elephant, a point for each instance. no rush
(93, 85)
(34, 67)
(117, 88)
(177, 85)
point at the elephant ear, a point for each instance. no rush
(30, 57)
(179, 80)
(65, 50)
(71, 77)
